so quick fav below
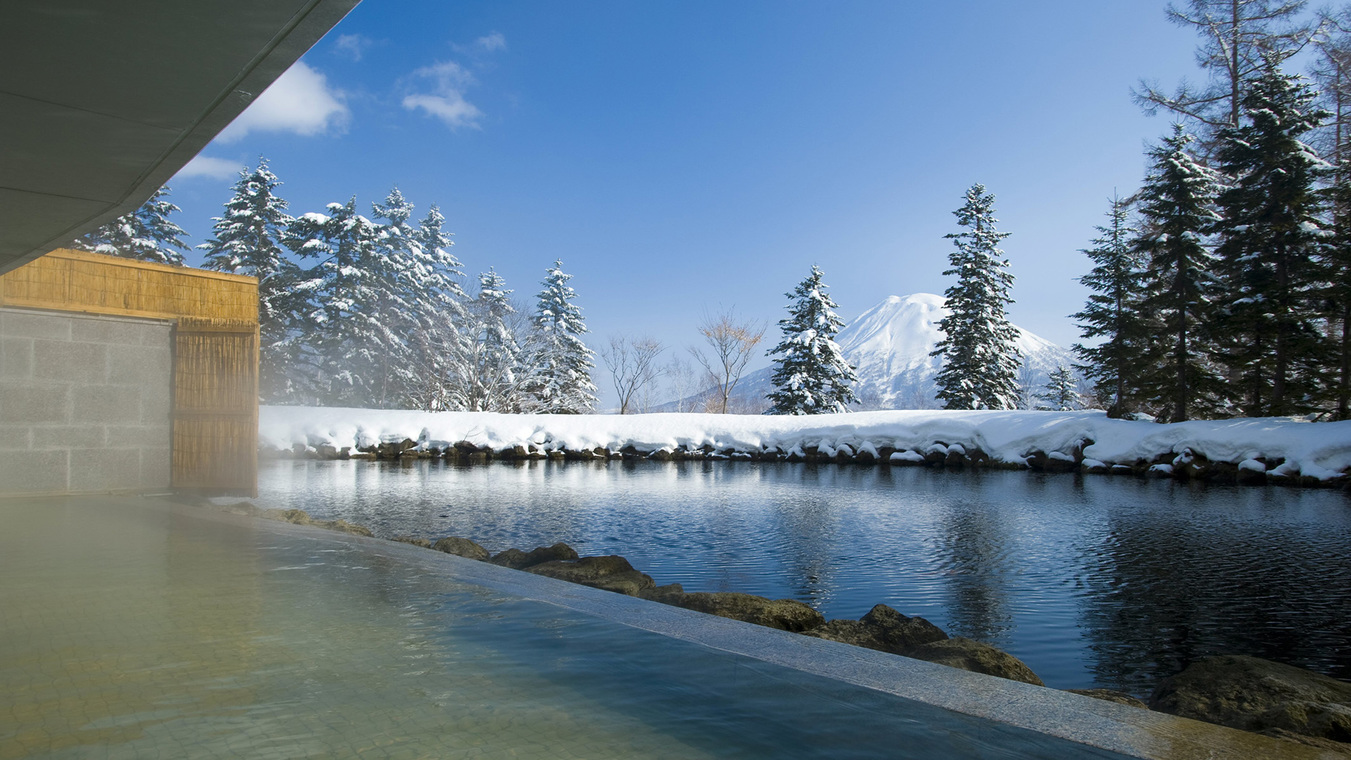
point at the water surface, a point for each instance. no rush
(1093, 581)
(135, 630)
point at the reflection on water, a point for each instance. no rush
(1111, 582)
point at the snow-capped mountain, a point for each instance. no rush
(889, 347)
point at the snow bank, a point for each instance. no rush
(1312, 450)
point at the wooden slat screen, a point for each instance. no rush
(66, 280)
(215, 439)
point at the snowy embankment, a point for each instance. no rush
(1245, 450)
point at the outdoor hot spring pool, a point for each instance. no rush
(131, 628)
(1092, 581)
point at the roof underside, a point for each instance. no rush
(101, 103)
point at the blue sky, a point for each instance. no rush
(685, 157)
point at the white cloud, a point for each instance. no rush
(212, 168)
(491, 42)
(300, 101)
(353, 45)
(446, 100)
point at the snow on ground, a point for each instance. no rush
(1319, 450)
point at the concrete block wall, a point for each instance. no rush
(85, 403)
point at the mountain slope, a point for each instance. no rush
(889, 346)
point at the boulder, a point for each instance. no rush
(1253, 694)
(1111, 695)
(342, 526)
(293, 516)
(1054, 461)
(461, 547)
(519, 560)
(1251, 472)
(784, 614)
(936, 454)
(424, 543)
(977, 657)
(883, 629)
(660, 593)
(611, 572)
(239, 508)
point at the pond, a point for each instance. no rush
(1092, 581)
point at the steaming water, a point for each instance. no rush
(131, 630)
(1108, 582)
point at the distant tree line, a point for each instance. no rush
(370, 311)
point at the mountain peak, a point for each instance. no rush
(890, 346)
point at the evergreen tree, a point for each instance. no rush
(1333, 74)
(980, 357)
(1113, 314)
(1060, 393)
(1337, 296)
(247, 240)
(1175, 210)
(438, 273)
(145, 234)
(399, 303)
(440, 315)
(562, 363)
(1269, 252)
(345, 341)
(811, 376)
(487, 374)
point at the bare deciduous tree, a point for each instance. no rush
(633, 365)
(683, 383)
(732, 343)
(1235, 36)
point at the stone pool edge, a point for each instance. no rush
(1083, 720)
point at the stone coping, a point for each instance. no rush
(1116, 728)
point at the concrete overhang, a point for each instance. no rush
(102, 102)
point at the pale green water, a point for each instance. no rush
(131, 629)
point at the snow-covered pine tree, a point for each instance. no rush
(145, 234)
(1337, 257)
(401, 298)
(562, 363)
(344, 339)
(1061, 393)
(440, 312)
(439, 272)
(1333, 73)
(1271, 238)
(811, 376)
(246, 240)
(1113, 314)
(1175, 208)
(980, 357)
(488, 370)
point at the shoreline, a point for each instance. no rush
(1184, 466)
(1247, 451)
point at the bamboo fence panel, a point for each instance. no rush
(67, 280)
(215, 438)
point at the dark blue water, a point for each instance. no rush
(1093, 581)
